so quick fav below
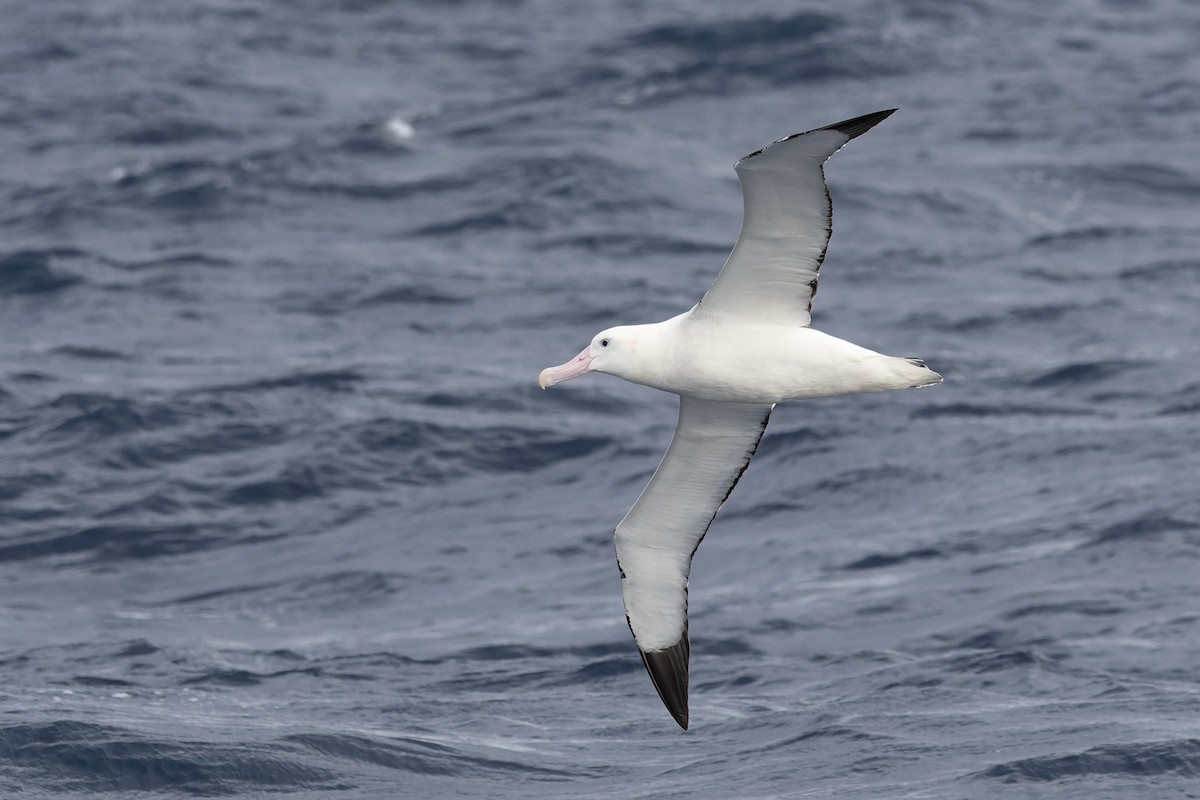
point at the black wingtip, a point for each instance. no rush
(859, 125)
(850, 127)
(669, 672)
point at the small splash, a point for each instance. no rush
(400, 129)
(126, 174)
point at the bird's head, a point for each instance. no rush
(614, 351)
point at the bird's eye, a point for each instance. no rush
(604, 342)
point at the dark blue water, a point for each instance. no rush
(282, 509)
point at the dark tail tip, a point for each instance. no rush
(669, 672)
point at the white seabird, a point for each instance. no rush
(744, 347)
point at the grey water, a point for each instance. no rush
(283, 511)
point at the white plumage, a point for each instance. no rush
(743, 348)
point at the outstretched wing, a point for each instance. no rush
(713, 444)
(771, 275)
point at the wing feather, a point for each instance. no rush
(712, 446)
(771, 274)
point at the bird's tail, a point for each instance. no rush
(919, 374)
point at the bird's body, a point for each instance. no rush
(744, 347)
(690, 354)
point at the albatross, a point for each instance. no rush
(744, 347)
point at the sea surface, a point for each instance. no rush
(284, 513)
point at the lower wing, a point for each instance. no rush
(655, 542)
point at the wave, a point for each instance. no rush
(1145, 526)
(86, 353)
(332, 592)
(1170, 270)
(424, 453)
(299, 480)
(122, 540)
(1184, 401)
(330, 380)
(1003, 410)
(632, 244)
(219, 438)
(1083, 372)
(72, 756)
(1127, 180)
(1015, 316)
(84, 417)
(1176, 757)
(707, 57)
(879, 560)
(37, 271)
(414, 755)
(153, 130)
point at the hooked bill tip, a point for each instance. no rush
(577, 366)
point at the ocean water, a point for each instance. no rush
(283, 511)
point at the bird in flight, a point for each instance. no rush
(744, 347)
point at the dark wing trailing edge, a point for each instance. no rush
(713, 444)
(787, 218)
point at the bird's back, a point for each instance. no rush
(750, 362)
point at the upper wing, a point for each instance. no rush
(771, 275)
(713, 444)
